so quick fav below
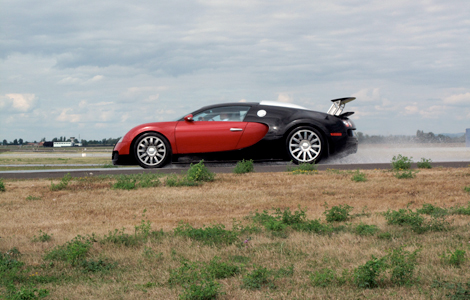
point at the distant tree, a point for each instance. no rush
(43, 139)
(5, 142)
(15, 142)
(20, 141)
(55, 140)
(84, 143)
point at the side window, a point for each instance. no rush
(226, 113)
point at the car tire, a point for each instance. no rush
(152, 150)
(305, 144)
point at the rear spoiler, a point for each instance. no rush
(338, 105)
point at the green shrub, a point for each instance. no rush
(417, 222)
(72, 252)
(199, 172)
(92, 266)
(62, 184)
(303, 168)
(258, 278)
(424, 163)
(467, 189)
(205, 290)
(429, 209)
(358, 176)
(2, 186)
(401, 163)
(175, 181)
(212, 235)
(26, 293)
(32, 198)
(134, 181)
(384, 236)
(244, 166)
(402, 264)
(337, 213)
(368, 275)
(43, 237)
(461, 210)
(323, 278)
(364, 229)
(456, 258)
(315, 226)
(404, 217)
(405, 174)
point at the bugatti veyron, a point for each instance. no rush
(234, 131)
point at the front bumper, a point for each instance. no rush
(122, 160)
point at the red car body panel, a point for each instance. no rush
(165, 128)
(207, 136)
(253, 133)
(199, 137)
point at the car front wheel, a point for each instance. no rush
(152, 150)
(305, 145)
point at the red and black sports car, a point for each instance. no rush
(235, 131)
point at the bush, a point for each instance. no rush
(424, 163)
(244, 166)
(303, 168)
(205, 290)
(358, 176)
(2, 186)
(337, 213)
(429, 209)
(257, 279)
(215, 235)
(405, 174)
(72, 252)
(131, 182)
(401, 163)
(43, 237)
(62, 184)
(461, 210)
(364, 229)
(323, 278)
(199, 172)
(368, 275)
(456, 258)
(402, 264)
(175, 181)
(467, 189)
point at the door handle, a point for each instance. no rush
(236, 129)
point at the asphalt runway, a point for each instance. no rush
(213, 167)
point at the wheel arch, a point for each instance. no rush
(137, 136)
(321, 129)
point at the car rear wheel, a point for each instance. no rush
(152, 150)
(305, 145)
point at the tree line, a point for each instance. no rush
(102, 142)
(420, 137)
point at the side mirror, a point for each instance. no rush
(189, 118)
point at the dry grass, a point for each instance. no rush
(90, 206)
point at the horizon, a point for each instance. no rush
(102, 69)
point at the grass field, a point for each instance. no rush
(319, 235)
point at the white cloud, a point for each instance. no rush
(283, 97)
(97, 78)
(18, 102)
(65, 116)
(368, 95)
(458, 99)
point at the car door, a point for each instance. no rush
(208, 136)
(211, 130)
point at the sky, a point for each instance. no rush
(95, 69)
